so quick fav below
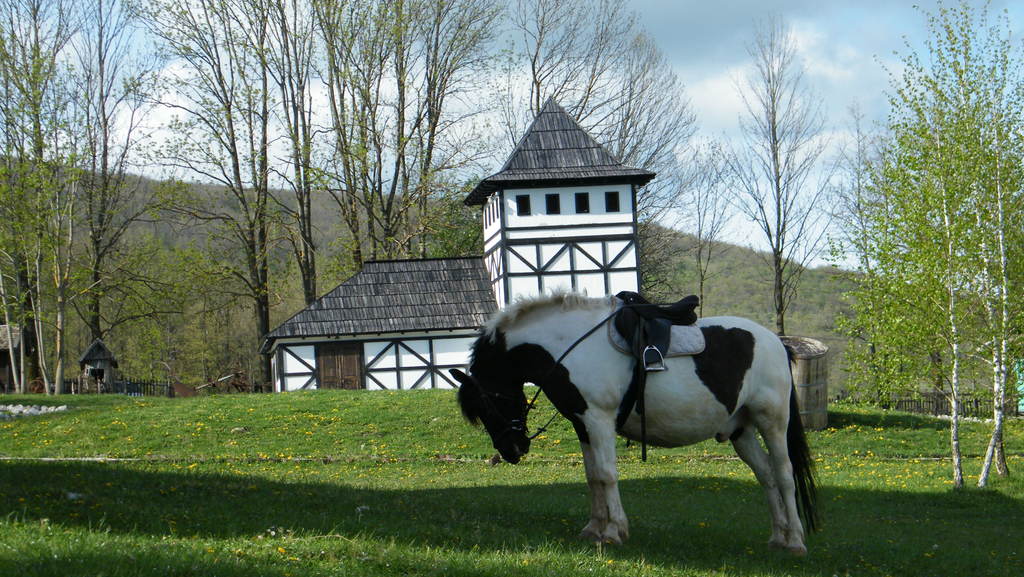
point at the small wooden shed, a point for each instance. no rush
(10, 343)
(98, 363)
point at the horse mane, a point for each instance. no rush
(565, 300)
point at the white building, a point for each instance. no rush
(560, 214)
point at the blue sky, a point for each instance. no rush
(845, 46)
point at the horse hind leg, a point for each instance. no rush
(775, 439)
(749, 450)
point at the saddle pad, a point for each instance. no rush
(686, 339)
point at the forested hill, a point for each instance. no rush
(739, 284)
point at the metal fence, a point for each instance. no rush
(139, 388)
(938, 405)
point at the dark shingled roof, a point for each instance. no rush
(398, 296)
(556, 151)
(97, 351)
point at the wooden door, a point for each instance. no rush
(339, 365)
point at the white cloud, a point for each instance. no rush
(716, 100)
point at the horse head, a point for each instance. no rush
(501, 408)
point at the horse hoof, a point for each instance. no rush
(589, 534)
(798, 550)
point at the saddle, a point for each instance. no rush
(647, 328)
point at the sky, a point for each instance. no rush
(847, 48)
(845, 45)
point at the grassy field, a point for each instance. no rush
(373, 483)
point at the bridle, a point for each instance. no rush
(519, 425)
(511, 425)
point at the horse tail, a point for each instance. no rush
(802, 462)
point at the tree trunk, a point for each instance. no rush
(778, 288)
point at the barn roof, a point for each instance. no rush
(96, 352)
(398, 296)
(15, 336)
(557, 151)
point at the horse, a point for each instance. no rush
(740, 385)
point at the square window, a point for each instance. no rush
(582, 202)
(523, 204)
(611, 201)
(554, 203)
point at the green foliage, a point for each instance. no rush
(930, 266)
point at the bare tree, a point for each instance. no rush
(291, 53)
(595, 59)
(222, 130)
(708, 210)
(397, 74)
(779, 178)
(113, 84)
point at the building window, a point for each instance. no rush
(611, 201)
(523, 204)
(554, 203)
(582, 202)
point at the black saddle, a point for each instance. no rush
(647, 328)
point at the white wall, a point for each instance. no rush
(421, 363)
(568, 216)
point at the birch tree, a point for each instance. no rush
(938, 234)
(37, 171)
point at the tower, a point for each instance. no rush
(560, 214)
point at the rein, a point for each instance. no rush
(520, 425)
(558, 361)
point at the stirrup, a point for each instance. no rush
(653, 360)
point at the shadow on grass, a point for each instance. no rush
(698, 523)
(838, 418)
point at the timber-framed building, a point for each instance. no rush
(560, 214)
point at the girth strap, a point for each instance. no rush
(646, 325)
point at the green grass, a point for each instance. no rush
(364, 483)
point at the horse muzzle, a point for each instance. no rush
(511, 455)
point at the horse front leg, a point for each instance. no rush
(608, 522)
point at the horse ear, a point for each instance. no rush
(460, 376)
(468, 396)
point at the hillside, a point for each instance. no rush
(740, 284)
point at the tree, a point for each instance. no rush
(223, 132)
(937, 244)
(397, 75)
(708, 211)
(38, 178)
(779, 179)
(292, 48)
(113, 83)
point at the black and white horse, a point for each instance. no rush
(739, 385)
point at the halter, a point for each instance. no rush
(517, 425)
(512, 425)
